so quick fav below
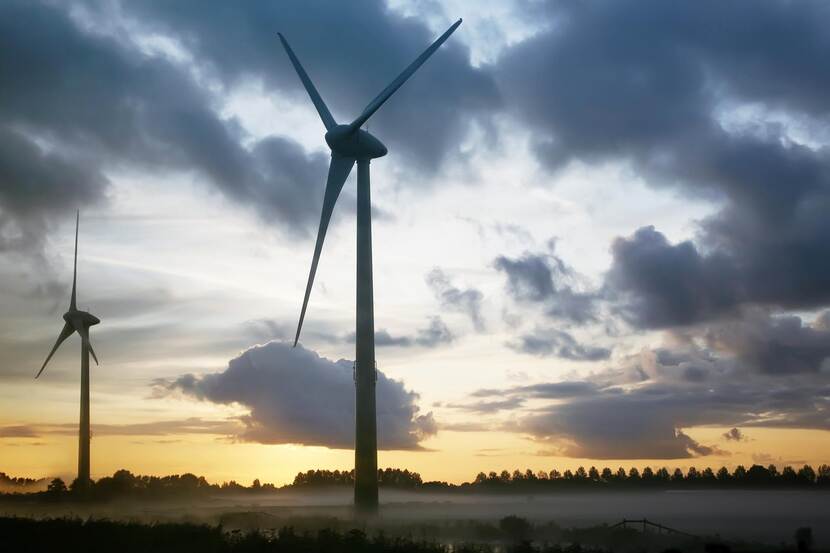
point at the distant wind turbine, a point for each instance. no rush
(349, 145)
(79, 321)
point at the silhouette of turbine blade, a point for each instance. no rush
(83, 332)
(322, 109)
(396, 84)
(338, 172)
(65, 333)
(72, 304)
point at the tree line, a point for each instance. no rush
(124, 483)
(755, 476)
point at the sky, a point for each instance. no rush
(600, 235)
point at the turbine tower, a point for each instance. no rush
(79, 321)
(349, 145)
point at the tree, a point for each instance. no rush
(555, 474)
(515, 528)
(806, 475)
(648, 474)
(692, 475)
(57, 487)
(633, 475)
(707, 476)
(593, 474)
(757, 475)
(677, 476)
(607, 475)
(723, 475)
(581, 474)
(739, 474)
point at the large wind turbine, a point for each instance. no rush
(79, 321)
(349, 145)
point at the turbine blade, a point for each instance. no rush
(325, 115)
(89, 346)
(65, 333)
(396, 84)
(338, 172)
(72, 302)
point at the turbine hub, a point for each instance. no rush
(355, 143)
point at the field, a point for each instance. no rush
(746, 519)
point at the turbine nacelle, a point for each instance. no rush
(346, 141)
(82, 318)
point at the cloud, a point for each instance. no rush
(295, 396)
(351, 55)
(644, 406)
(658, 87)
(734, 435)
(488, 406)
(75, 104)
(662, 285)
(545, 342)
(467, 301)
(437, 333)
(546, 280)
(18, 431)
(192, 425)
(773, 344)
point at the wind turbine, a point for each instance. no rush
(349, 145)
(79, 321)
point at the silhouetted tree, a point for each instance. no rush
(515, 528)
(788, 475)
(56, 487)
(806, 475)
(739, 474)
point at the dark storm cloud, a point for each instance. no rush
(663, 285)
(545, 342)
(295, 396)
(778, 345)
(74, 104)
(649, 83)
(545, 279)
(351, 55)
(467, 301)
(641, 408)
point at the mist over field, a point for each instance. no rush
(769, 517)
